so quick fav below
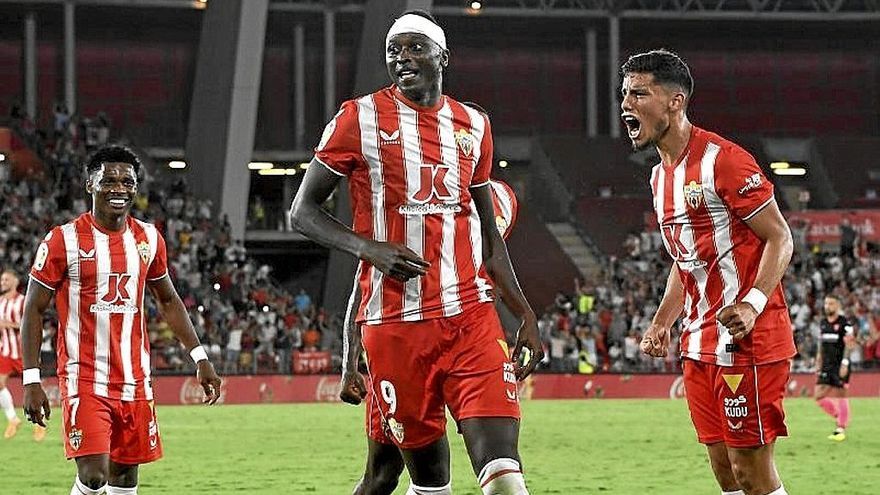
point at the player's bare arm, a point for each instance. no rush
(501, 271)
(313, 221)
(656, 339)
(850, 343)
(36, 404)
(353, 388)
(770, 226)
(175, 314)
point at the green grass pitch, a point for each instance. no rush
(631, 447)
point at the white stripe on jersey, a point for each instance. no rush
(478, 130)
(102, 318)
(721, 221)
(369, 127)
(72, 326)
(448, 270)
(133, 268)
(504, 201)
(411, 149)
(153, 241)
(687, 239)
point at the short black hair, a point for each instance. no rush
(422, 13)
(666, 67)
(112, 154)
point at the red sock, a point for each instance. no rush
(828, 405)
(843, 416)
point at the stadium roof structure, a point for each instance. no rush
(771, 10)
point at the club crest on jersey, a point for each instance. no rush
(74, 438)
(396, 429)
(144, 250)
(693, 194)
(465, 141)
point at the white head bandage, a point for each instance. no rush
(412, 23)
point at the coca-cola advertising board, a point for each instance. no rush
(325, 388)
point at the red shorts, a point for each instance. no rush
(127, 430)
(738, 405)
(9, 366)
(417, 368)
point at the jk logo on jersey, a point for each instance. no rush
(117, 299)
(693, 194)
(433, 184)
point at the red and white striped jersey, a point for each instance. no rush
(99, 278)
(506, 206)
(410, 171)
(11, 309)
(702, 204)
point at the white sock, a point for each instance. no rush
(430, 490)
(6, 404)
(737, 492)
(502, 477)
(80, 489)
(779, 491)
(117, 490)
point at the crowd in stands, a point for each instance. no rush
(247, 320)
(599, 326)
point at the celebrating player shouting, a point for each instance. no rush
(98, 266)
(415, 159)
(730, 246)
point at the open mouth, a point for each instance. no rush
(633, 125)
(407, 74)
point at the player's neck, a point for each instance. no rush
(675, 140)
(112, 223)
(427, 98)
(832, 318)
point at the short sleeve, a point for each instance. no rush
(159, 267)
(741, 184)
(50, 262)
(487, 149)
(340, 146)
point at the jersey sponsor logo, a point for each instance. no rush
(41, 257)
(732, 382)
(465, 141)
(734, 408)
(693, 194)
(74, 438)
(753, 181)
(434, 195)
(390, 138)
(143, 249)
(686, 259)
(510, 380)
(504, 347)
(117, 299)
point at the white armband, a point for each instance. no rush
(757, 299)
(30, 375)
(198, 354)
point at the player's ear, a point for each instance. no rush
(677, 102)
(444, 58)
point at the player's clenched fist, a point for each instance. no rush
(353, 388)
(210, 381)
(739, 319)
(656, 341)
